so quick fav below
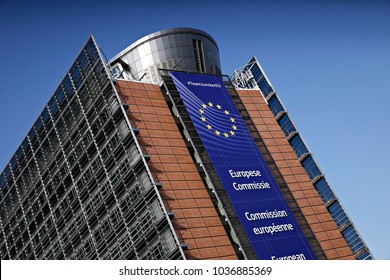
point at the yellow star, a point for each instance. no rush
(204, 106)
(211, 104)
(208, 126)
(201, 111)
(226, 112)
(219, 107)
(233, 119)
(232, 133)
(217, 132)
(203, 119)
(234, 127)
(226, 135)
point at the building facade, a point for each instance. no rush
(119, 166)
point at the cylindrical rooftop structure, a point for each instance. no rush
(184, 49)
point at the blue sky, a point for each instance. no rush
(328, 61)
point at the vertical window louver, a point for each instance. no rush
(199, 56)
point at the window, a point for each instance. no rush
(123, 128)
(311, 167)
(261, 81)
(156, 252)
(59, 94)
(338, 214)
(116, 71)
(286, 125)
(52, 105)
(324, 190)
(275, 105)
(134, 194)
(353, 239)
(199, 56)
(298, 145)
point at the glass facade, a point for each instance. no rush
(252, 76)
(78, 187)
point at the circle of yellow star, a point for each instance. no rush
(203, 112)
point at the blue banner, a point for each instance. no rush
(258, 201)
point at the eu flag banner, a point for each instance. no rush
(258, 201)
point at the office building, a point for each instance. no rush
(155, 154)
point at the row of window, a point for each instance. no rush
(78, 185)
(87, 61)
(57, 178)
(336, 210)
(260, 78)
